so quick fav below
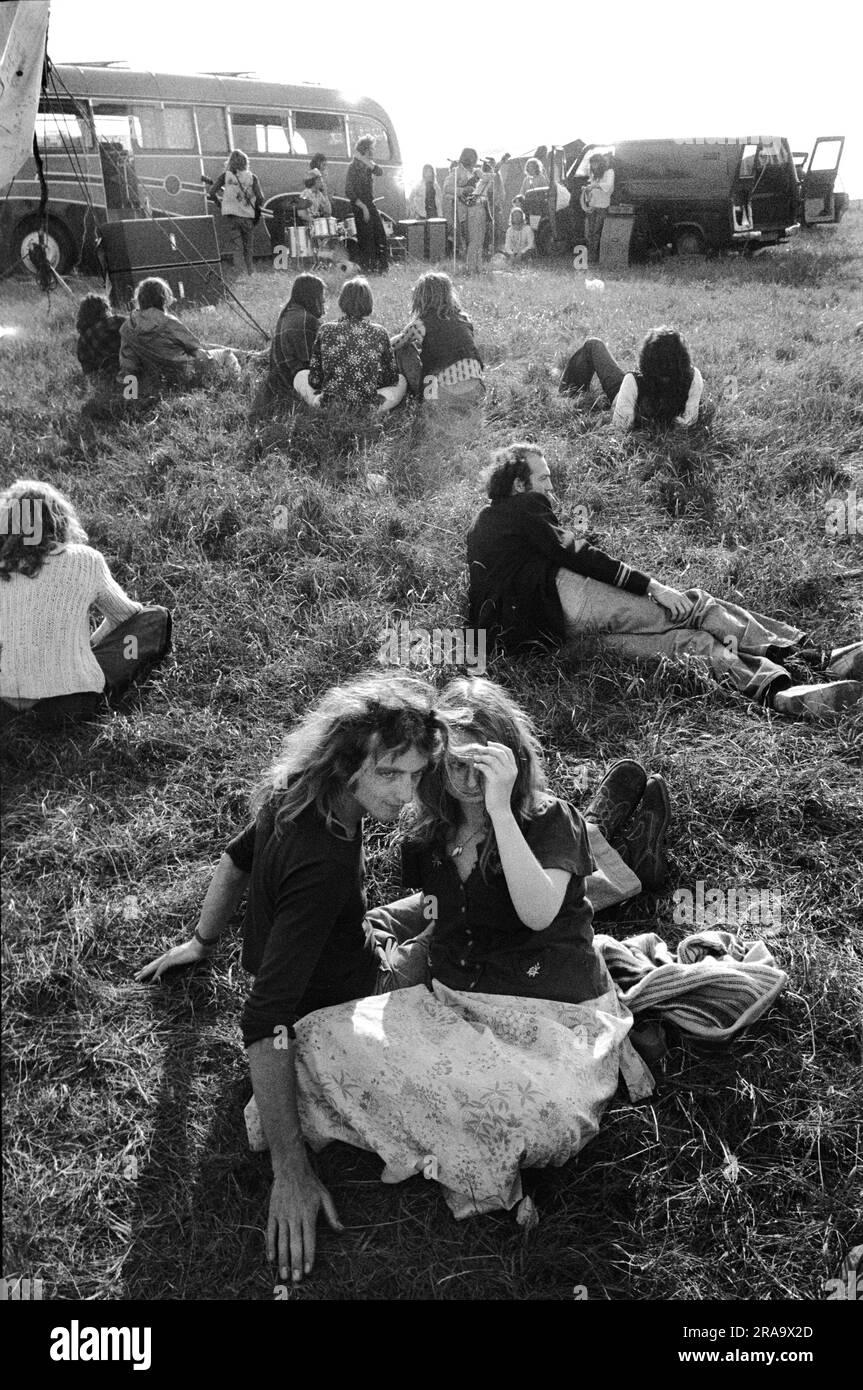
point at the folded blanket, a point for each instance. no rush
(713, 990)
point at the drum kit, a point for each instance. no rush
(317, 241)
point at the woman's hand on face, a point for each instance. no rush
(499, 770)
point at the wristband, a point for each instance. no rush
(208, 945)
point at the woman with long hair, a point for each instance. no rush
(425, 199)
(440, 332)
(297, 327)
(596, 198)
(664, 390)
(98, 329)
(360, 751)
(352, 362)
(534, 177)
(239, 195)
(50, 581)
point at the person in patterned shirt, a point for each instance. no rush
(98, 346)
(352, 360)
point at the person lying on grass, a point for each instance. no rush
(156, 348)
(50, 581)
(534, 585)
(664, 390)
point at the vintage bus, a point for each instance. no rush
(118, 144)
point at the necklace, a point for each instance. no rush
(457, 849)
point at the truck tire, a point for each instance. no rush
(688, 242)
(59, 246)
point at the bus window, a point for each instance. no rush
(257, 136)
(117, 125)
(178, 128)
(60, 132)
(212, 129)
(316, 132)
(367, 125)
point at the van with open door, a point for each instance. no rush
(820, 200)
(695, 195)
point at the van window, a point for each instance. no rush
(358, 126)
(59, 131)
(256, 136)
(825, 156)
(212, 129)
(317, 132)
(747, 161)
(116, 124)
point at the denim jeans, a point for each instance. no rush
(592, 359)
(734, 641)
(241, 231)
(595, 219)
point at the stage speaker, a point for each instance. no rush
(435, 239)
(616, 237)
(414, 232)
(182, 250)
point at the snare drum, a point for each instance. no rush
(298, 242)
(351, 228)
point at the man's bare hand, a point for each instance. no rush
(185, 954)
(295, 1201)
(672, 600)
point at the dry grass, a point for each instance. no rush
(127, 1173)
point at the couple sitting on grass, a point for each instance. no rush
(535, 585)
(507, 877)
(355, 363)
(151, 346)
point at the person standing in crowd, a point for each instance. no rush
(534, 585)
(441, 332)
(50, 580)
(426, 199)
(665, 390)
(596, 199)
(520, 241)
(458, 185)
(534, 177)
(352, 361)
(372, 249)
(98, 346)
(478, 214)
(240, 197)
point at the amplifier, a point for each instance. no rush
(158, 241)
(182, 250)
(201, 282)
(435, 239)
(414, 233)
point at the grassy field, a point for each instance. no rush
(127, 1171)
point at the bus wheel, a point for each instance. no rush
(55, 239)
(688, 243)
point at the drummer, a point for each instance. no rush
(318, 210)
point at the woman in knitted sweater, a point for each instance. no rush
(50, 580)
(442, 335)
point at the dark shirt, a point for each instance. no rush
(480, 943)
(291, 348)
(99, 345)
(447, 341)
(431, 201)
(359, 182)
(303, 938)
(514, 550)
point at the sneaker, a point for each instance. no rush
(642, 845)
(814, 700)
(846, 663)
(616, 797)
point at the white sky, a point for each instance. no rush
(451, 73)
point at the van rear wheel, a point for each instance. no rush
(688, 243)
(57, 244)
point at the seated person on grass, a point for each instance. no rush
(287, 380)
(98, 346)
(533, 584)
(353, 364)
(665, 390)
(520, 242)
(156, 348)
(440, 335)
(50, 581)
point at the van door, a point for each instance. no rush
(820, 178)
(773, 191)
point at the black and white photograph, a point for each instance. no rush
(431, 672)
